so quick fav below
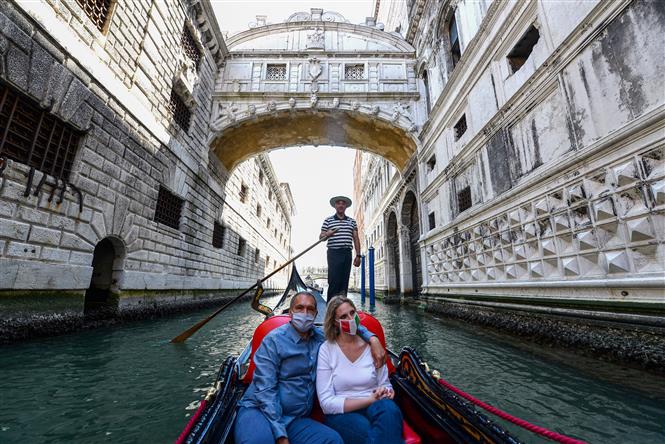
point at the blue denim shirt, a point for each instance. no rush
(284, 380)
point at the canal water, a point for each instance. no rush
(128, 384)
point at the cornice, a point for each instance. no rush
(398, 43)
(306, 54)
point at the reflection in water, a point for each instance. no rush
(129, 384)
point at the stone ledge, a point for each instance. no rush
(628, 344)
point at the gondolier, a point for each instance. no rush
(342, 234)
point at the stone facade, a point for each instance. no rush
(540, 161)
(137, 88)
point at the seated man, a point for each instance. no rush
(276, 405)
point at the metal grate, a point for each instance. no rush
(218, 235)
(464, 199)
(179, 111)
(33, 136)
(189, 46)
(169, 208)
(97, 10)
(276, 72)
(354, 72)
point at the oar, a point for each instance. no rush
(182, 337)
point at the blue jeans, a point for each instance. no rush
(253, 428)
(380, 423)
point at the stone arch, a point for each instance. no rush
(393, 253)
(410, 216)
(294, 127)
(107, 272)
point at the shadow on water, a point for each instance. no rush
(127, 383)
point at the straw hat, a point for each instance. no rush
(333, 200)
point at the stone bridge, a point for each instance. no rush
(315, 80)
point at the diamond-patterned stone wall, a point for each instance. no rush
(608, 223)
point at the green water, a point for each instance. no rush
(129, 384)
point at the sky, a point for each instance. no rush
(315, 174)
(234, 16)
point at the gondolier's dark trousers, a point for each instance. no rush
(339, 268)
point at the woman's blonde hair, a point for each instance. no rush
(330, 327)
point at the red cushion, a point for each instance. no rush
(409, 435)
(372, 324)
(261, 331)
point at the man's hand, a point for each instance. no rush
(327, 234)
(283, 440)
(378, 352)
(356, 261)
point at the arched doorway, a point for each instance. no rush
(393, 254)
(411, 219)
(100, 300)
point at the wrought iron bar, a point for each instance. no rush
(28, 186)
(79, 194)
(34, 139)
(9, 122)
(57, 153)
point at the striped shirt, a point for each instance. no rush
(343, 237)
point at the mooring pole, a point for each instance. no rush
(362, 279)
(371, 276)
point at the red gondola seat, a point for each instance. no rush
(369, 321)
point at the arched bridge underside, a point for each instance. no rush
(339, 128)
(316, 80)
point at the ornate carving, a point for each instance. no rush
(315, 71)
(186, 77)
(316, 40)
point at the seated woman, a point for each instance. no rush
(355, 397)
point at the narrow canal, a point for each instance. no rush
(129, 384)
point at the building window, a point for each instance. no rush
(455, 53)
(98, 11)
(218, 235)
(431, 163)
(267, 261)
(426, 86)
(169, 208)
(179, 111)
(270, 195)
(268, 223)
(275, 233)
(261, 177)
(354, 72)
(258, 210)
(460, 127)
(189, 46)
(522, 50)
(432, 220)
(257, 255)
(464, 199)
(276, 71)
(242, 247)
(33, 136)
(243, 193)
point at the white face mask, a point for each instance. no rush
(349, 326)
(302, 322)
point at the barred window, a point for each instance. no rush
(98, 11)
(243, 193)
(179, 111)
(218, 235)
(169, 208)
(35, 137)
(257, 255)
(432, 220)
(354, 72)
(464, 199)
(460, 127)
(276, 71)
(189, 46)
(242, 247)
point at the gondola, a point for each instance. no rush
(433, 413)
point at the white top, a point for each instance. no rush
(337, 378)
